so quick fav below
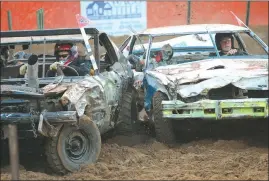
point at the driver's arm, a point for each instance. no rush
(241, 52)
(53, 67)
(22, 70)
(236, 51)
(82, 66)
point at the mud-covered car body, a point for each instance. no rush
(66, 110)
(193, 84)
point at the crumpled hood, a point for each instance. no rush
(22, 91)
(209, 74)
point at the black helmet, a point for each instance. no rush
(220, 36)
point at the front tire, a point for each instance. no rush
(163, 127)
(74, 147)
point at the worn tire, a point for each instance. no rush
(128, 114)
(163, 127)
(62, 159)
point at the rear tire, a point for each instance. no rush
(74, 147)
(163, 127)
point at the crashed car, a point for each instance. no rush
(69, 112)
(180, 73)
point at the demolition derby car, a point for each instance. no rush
(182, 73)
(70, 112)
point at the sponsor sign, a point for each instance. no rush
(115, 17)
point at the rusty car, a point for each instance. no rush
(180, 74)
(68, 112)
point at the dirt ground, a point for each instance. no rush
(232, 151)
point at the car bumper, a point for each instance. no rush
(26, 118)
(217, 109)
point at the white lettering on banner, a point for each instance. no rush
(115, 17)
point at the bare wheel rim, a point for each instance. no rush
(77, 147)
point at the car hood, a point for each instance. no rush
(194, 77)
(20, 91)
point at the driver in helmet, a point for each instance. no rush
(225, 43)
(67, 55)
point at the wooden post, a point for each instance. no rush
(13, 151)
(189, 12)
(9, 20)
(40, 19)
(248, 9)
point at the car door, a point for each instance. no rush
(112, 52)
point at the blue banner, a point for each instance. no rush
(116, 17)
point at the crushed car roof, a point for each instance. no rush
(193, 29)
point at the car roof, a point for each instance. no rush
(50, 35)
(40, 39)
(193, 29)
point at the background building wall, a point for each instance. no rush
(57, 14)
(258, 13)
(61, 14)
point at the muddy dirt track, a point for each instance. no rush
(231, 150)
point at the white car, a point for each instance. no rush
(180, 73)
